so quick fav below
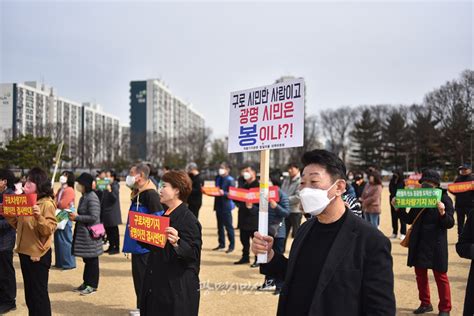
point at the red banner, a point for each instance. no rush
(412, 183)
(211, 191)
(252, 195)
(148, 228)
(460, 187)
(18, 204)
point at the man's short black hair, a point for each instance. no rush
(328, 160)
(293, 165)
(248, 165)
(6, 174)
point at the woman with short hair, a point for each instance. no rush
(171, 282)
(84, 245)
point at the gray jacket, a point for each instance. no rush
(290, 187)
(88, 211)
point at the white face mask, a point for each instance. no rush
(130, 181)
(62, 179)
(221, 171)
(246, 175)
(315, 201)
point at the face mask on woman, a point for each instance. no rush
(62, 179)
(30, 187)
(221, 171)
(130, 181)
(314, 201)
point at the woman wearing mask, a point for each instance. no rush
(371, 199)
(63, 237)
(171, 282)
(84, 245)
(428, 245)
(111, 214)
(34, 239)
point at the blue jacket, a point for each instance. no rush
(222, 203)
(7, 232)
(276, 216)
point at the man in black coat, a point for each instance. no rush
(464, 200)
(465, 249)
(195, 198)
(338, 263)
(396, 182)
(248, 215)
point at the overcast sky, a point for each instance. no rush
(349, 53)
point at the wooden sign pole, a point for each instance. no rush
(57, 160)
(263, 207)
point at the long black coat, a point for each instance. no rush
(465, 249)
(111, 214)
(248, 218)
(171, 282)
(428, 245)
(356, 279)
(465, 200)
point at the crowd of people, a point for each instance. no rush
(332, 216)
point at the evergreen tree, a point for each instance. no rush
(395, 137)
(367, 136)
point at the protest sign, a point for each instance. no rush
(101, 184)
(252, 195)
(18, 204)
(268, 117)
(264, 118)
(418, 198)
(460, 187)
(148, 228)
(211, 191)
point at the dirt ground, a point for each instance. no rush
(226, 289)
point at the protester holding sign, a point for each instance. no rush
(111, 215)
(223, 207)
(85, 245)
(248, 215)
(65, 198)
(7, 243)
(171, 283)
(464, 200)
(144, 199)
(34, 239)
(465, 249)
(428, 244)
(338, 264)
(371, 199)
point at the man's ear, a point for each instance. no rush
(340, 187)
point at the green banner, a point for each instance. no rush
(418, 198)
(101, 185)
